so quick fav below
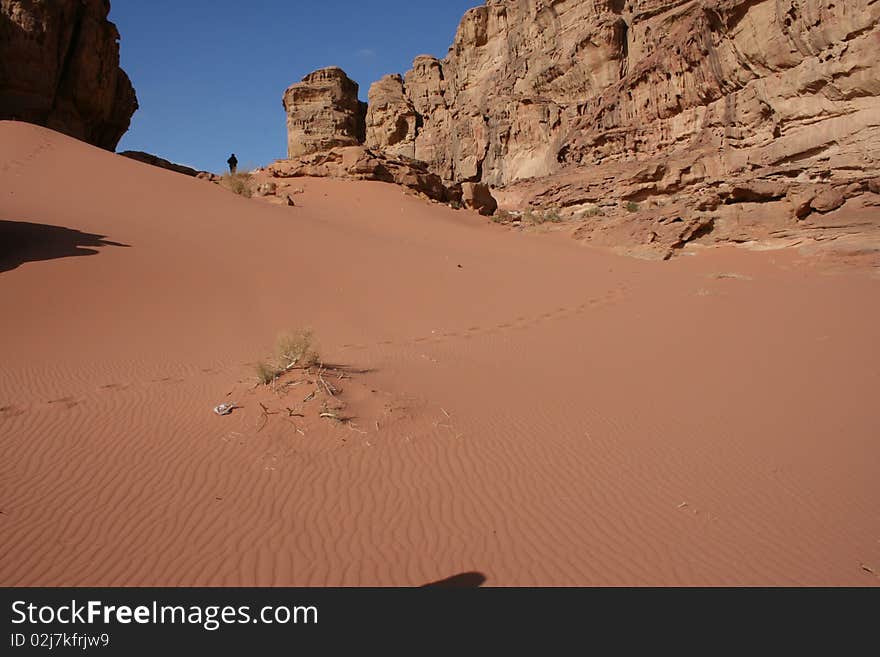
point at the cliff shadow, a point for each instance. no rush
(22, 242)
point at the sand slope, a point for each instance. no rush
(522, 407)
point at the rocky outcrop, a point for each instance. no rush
(332, 134)
(654, 123)
(360, 163)
(476, 196)
(530, 87)
(323, 112)
(59, 67)
(654, 208)
(392, 122)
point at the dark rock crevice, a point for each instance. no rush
(59, 67)
(67, 55)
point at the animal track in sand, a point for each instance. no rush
(10, 411)
(519, 323)
(685, 507)
(27, 158)
(610, 297)
(357, 346)
(114, 387)
(869, 570)
(81, 397)
(68, 402)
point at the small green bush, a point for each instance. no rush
(632, 206)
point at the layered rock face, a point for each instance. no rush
(59, 67)
(655, 122)
(392, 122)
(498, 107)
(327, 126)
(323, 112)
(361, 163)
(530, 86)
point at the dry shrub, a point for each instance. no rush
(297, 348)
(539, 217)
(294, 349)
(238, 183)
(504, 217)
(267, 373)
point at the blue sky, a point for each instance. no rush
(210, 74)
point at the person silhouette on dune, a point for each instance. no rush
(233, 163)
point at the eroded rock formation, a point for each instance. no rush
(361, 163)
(323, 112)
(59, 67)
(530, 86)
(654, 123)
(477, 196)
(659, 122)
(392, 121)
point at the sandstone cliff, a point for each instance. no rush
(323, 112)
(655, 122)
(530, 86)
(392, 121)
(327, 125)
(59, 67)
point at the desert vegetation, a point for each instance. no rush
(531, 217)
(506, 217)
(240, 183)
(293, 350)
(594, 211)
(301, 382)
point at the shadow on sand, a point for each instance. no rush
(472, 580)
(22, 242)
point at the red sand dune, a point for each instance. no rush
(528, 411)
